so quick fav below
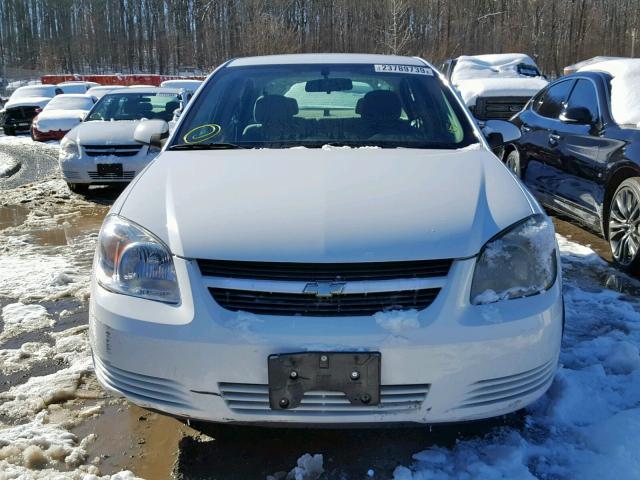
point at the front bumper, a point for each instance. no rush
(83, 169)
(199, 361)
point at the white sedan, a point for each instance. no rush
(101, 150)
(371, 265)
(60, 115)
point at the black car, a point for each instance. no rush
(576, 160)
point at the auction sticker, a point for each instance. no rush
(386, 68)
(202, 133)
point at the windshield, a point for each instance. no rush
(494, 66)
(135, 106)
(69, 103)
(281, 106)
(34, 92)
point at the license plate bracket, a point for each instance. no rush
(110, 169)
(291, 375)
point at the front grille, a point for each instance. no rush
(498, 107)
(313, 272)
(21, 114)
(114, 150)
(509, 388)
(126, 175)
(345, 305)
(254, 399)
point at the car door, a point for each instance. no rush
(539, 142)
(580, 154)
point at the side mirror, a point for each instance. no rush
(151, 132)
(577, 115)
(499, 132)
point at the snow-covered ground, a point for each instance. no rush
(587, 426)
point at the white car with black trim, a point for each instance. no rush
(102, 150)
(375, 264)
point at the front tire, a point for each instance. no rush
(513, 163)
(10, 132)
(80, 188)
(624, 225)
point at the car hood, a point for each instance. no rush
(104, 132)
(326, 205)
(27, 102)
(470, 90)
(51, 120)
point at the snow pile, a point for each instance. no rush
(8, 165)
(20, 318)
(625, 97)
(309, 467)
(587, 424)
(27, 274)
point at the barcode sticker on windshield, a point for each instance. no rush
(403, 69)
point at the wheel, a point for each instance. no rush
(9, 131)
(513, 163)
(624, 225)
(81, 188)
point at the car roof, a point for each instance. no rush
(72, 95)
(106, 87)
(175, 91)
(310, 58)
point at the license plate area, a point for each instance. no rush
(291, 375)
(110, 169)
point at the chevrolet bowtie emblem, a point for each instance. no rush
(324, 289)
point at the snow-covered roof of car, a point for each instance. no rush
(502, 65)
(307, 58)
(625, 96)
(569, 69)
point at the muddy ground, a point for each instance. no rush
(39, 214)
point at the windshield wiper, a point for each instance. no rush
(205, 146)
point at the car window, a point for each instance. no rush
(135, 106)
(34, 92)
(552, 101)
(282, 106)
(584, 95)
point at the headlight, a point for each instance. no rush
(519, 262)
(68, 149)
(132, 261)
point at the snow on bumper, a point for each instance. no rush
(446, 363)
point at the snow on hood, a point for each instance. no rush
(625, 96)
(471, 90)
(327, 205)
(104, 132)
(63, 120)
(27, 102)
(502, 65)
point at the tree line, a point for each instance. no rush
(174, 36)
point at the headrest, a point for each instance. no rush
(171, 106)
(274, 108)
(379, 105)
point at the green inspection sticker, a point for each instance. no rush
(202, 133)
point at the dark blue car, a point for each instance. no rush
(577, 160)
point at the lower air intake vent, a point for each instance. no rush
(254, 399)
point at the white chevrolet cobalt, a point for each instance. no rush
(363, 262)
(101, 150)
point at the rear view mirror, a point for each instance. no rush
(499, 132)
(577, 115)
(329, 85)
(151, 132)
